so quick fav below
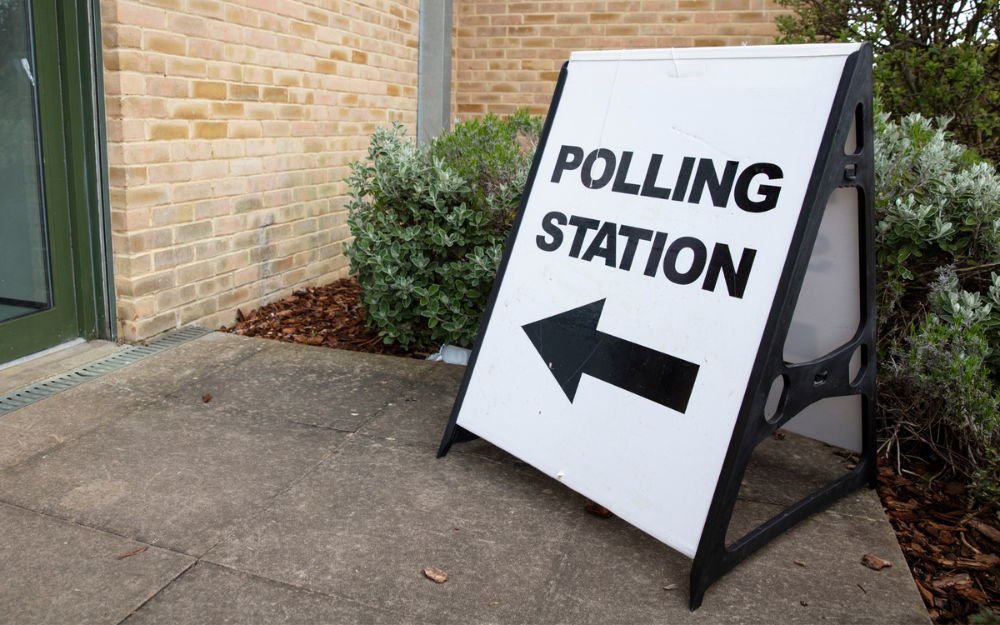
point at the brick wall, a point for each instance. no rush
(230, 125)
(509, 52)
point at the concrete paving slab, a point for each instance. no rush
(562, 566)
(366, 523)
(185, 364)
(207, 593)
(59, 572)
(780, 473)
(45, 425)
(618, 574)
(172, 474)
(311, 385)
(419, 415)
(344, 538)
(834, 584)
(784, 471)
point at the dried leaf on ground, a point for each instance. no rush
(132, 553)
(600, 511)
(874, 562)
(436, 574)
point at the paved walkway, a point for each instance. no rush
(307, 491)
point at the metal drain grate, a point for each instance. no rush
(74, 377)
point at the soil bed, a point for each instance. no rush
(328, 316)
(953, 552)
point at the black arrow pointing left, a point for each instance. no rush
(571, 346)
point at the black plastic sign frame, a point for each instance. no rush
(804, 383)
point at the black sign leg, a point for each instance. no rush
(715, 559)
(809, 382)
(454, 433)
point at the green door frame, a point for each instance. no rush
(81, 58)
(75, 182)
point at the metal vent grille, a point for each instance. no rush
(74, 377)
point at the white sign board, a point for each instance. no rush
(645, 265)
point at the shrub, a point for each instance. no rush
(936, 205)
(494, 155)
(938, 240)
(942, 394)
(932, 58)
(429, 226)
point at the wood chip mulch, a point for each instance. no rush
(328, 316)
(952, 550)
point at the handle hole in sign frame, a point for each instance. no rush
(855, 140)
(776, 399)
(858, 365)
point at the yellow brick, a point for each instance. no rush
(244, 92)
(319, 17)
(190, 110)
(160, 131)
(227, 109)
(210, 130)
(210, 8)
(147, 196)
(302, 29)
(174, 5)
(208, 89)
(275, 94)
(164, 43)
(188, 24)
(186, 67)
(244, 130)
(326, 67)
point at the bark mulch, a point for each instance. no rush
(328, 316)
(951, 550)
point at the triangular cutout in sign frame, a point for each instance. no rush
(804, 383)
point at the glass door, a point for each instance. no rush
(37, 300)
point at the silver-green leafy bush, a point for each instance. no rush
(429, 227)
(938, 240)
(935, 203)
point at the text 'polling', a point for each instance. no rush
(685, 259)
(706, 176)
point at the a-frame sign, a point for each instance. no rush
(643, 312)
